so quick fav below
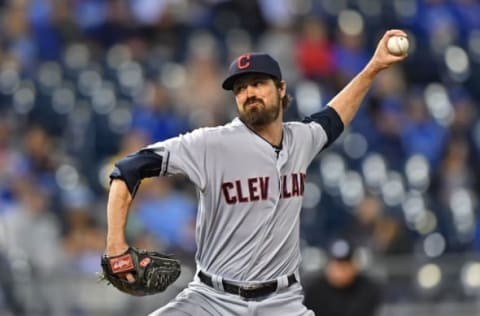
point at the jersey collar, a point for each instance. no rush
(238, 122)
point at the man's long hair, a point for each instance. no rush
(287, 99)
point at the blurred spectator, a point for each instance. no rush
(342, 290)
(17, 35)
(421, 134)
(199, 95)
(466, 113)
(378, 230)
(453, 174)
(113, 24)
(32, 236)
(31, 229)
(11, 165)
(148, 12)
(167, 214)
(384, 121)
(277, 13)
(436, 20)
(10, 303)
(238, 14)
(42, 160)
(467, 12)
(278, 42)
(48, 20)
(40, 155)
(155, 116)
(349, 54)
(314, 51)
(83, 243)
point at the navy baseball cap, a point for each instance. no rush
(341, 249)
(251, 63)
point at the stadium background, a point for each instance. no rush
(85, 82)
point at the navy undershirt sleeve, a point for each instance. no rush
(330, 121)
(135, 167)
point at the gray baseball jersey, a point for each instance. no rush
(250, 195)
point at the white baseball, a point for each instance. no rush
(397, 45)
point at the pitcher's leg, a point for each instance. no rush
(288, 302)
(186, 303)
(200, 300)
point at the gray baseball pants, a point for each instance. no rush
(199, 299)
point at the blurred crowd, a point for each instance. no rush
(84, 82)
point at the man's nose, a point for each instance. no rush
(251, 91)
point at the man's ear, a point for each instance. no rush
(283, 88)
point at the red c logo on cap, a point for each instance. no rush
(243, 61)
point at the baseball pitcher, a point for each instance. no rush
(250, 178)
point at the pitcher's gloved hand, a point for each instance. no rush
(153, 271)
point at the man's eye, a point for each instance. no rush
(239, 89)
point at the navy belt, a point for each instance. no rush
(247, 291)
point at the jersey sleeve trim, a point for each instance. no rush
(165, 167)
(331, 122)
(140, 165)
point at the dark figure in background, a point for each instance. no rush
(11, 302)
(341, 290)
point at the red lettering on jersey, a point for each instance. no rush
(285, 193)
(292, 185)
(226, 186)
(302, 183)
(295, 185)
(257, 190)
(253, 188)
(264, 187)
(240, 196)
(243, 61)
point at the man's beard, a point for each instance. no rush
(260, 115)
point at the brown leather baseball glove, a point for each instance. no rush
(153, 271)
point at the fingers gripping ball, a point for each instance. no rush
(153, 271)
(398, 45)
